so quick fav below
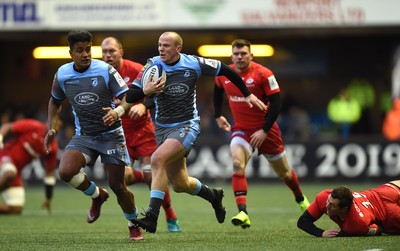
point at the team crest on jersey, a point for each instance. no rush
(95, 82)
(126, 79)
(249, 81)
(273, 84)
(186, 74)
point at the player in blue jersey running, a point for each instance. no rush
(90, 85)
(177, 123)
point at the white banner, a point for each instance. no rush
(197, 14)
(89, 14)
(283, 13)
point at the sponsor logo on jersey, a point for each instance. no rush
(211, 62)
(183, 131)
(176, 89)
(237, 99)
(86, 98)
(273, 84)
(119, 79)
(72, 82)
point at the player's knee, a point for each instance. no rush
(285, 175)
(179, 188)
(117, 187)
(238, 166)
(75, 181)
(157, 161)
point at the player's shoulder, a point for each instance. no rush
(65, 68)
(324, 193)
(191, 59)
(29, 123)
(132, 64)
(96, 63)
(261, 68)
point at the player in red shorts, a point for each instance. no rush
(253, 128)
(25, 145)
(370, 212)
(138, 127)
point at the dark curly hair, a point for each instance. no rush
(344, 195)
(78, 35)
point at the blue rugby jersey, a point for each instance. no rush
(88, 92)
(177, 102)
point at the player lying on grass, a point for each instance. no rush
(24, 144)
(369, 212)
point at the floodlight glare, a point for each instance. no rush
(225, 50)
(60, 52)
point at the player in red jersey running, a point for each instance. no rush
(253, 128)
(138, 127)
(369, 212)
(25, 145)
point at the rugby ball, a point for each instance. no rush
(152, 73)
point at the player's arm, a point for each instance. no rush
(149, 103)
(238, 82)
(134, 94)
(235, 78)
(374, 229)
(218, 100)
(274, 108)
(112, 115)
(306, 223)
(5, 129)
(54, 108)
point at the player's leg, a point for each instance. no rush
(172, 221)
(281, 167)
(133, 176)
(182, 183)
(70, 172)
(125, 197)
(14, 200)
(167, 151)
(146, 145)
(241, 153)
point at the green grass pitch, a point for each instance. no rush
(272, 210)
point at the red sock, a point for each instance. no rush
(166, 204)
(293, 184)
(138, 176)
(239, 185)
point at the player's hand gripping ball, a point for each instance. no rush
(152, 74)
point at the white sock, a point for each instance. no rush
(96, 193)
